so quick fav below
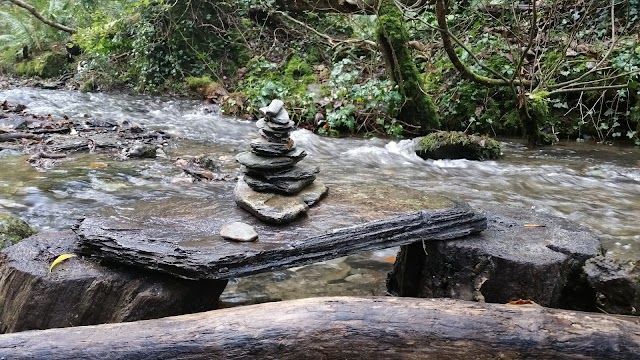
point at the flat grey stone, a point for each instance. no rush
(295, 173)
(81, 291)
(313, 193)
(275, 133)
(273, 108)
(268, 207)
(238, 231)
(263, 148)
(281, 118)
(276, 126)
(253, 161)
(287, 187)
(273, 139)
(261, 124)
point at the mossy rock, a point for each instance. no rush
(457, 145)
(47, 65)
(13, 229)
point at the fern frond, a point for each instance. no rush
(17, 27)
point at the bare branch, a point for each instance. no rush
(39, 16)
(466, 73)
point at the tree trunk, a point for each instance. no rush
(417, 108)
(343, 327)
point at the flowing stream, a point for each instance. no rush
(595, 185)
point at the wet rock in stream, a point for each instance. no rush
(80, 291)
(617, 284)
(522, 255)
(51, 140)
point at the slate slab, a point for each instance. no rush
(182, 238)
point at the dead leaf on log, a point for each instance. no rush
(534, 225)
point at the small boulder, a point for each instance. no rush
(238, 231)
(84, 292)
(457, 145)
(617, 284)
(521, 255)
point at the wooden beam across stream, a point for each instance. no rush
(181, 237)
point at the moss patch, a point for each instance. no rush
(47, 65)
(457, 145)
(198, 84)
(13, 229)
(392, 34)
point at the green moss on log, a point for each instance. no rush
(13, 229)
(45, 66)
(418, 108)
(457, 145)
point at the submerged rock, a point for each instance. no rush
(457, 145)
(521, 255)
(13, 229)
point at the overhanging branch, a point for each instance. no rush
(40, 17)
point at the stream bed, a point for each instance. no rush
(592, 184)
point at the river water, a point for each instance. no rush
(595, 185)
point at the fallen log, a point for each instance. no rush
(343, 327)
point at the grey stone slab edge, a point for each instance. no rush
(426, 225)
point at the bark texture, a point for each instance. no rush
(345, 328)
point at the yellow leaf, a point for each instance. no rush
(534, 225)
(60, 259)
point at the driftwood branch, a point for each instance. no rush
(345, 328)
(40, 17)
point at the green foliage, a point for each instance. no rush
(371, 103)
(457, 145)
(19, 28)
(47, 65)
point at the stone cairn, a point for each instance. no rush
(274, 187)
(271, 166)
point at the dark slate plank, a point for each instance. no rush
(183, 239)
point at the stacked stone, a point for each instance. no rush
(271, 166)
